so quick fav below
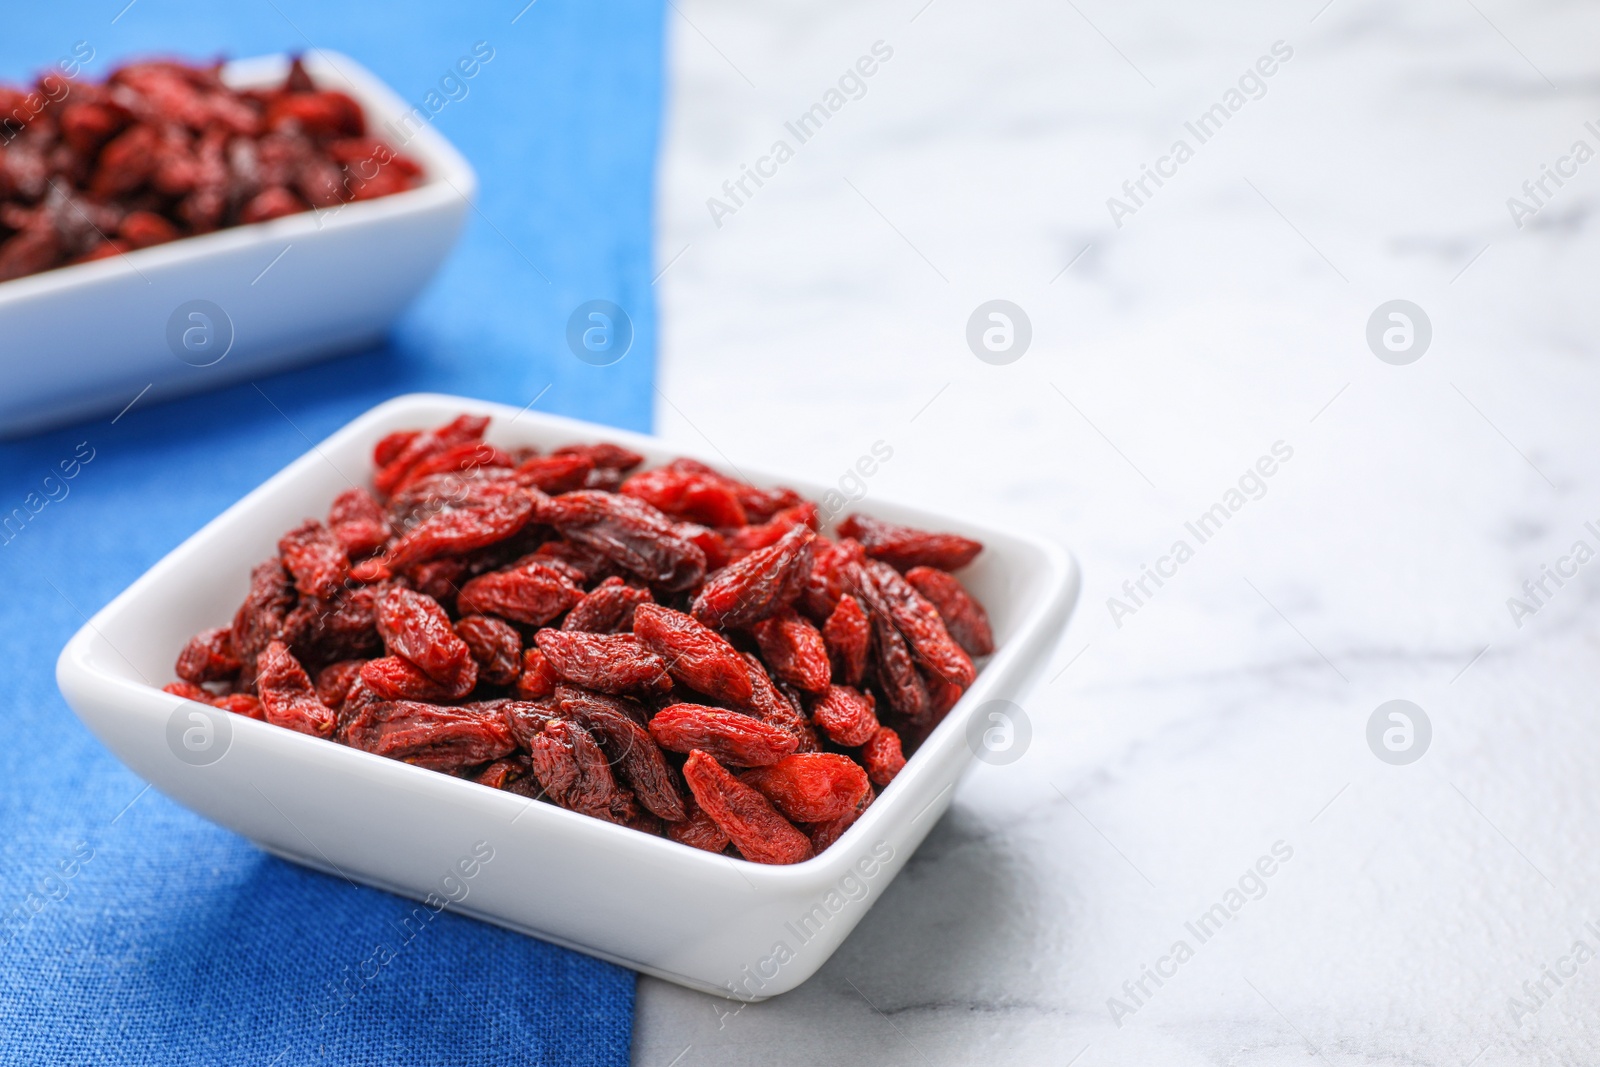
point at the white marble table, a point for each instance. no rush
(1176, 744)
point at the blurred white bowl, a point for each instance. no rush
(87, 339)
(706, 921)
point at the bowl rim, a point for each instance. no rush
(447, 177)
(1032, 637)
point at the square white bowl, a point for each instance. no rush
(710, 922)
(86, 339)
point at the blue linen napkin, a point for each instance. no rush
(132, 931)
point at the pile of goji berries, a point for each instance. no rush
(164, 150)
(672, 650)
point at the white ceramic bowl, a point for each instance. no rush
(88, 339)
(706, 921)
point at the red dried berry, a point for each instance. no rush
(606, 663)
(904, 547)
(464, 429)
(315, 557)
(188, 691)
(732, 737)
(775, 709)
(576, 774)
(848, 636)
(630, 533)
(963, 616)
(208, 657)
(743, 541)
(496, 645)
(824, 834)
(750, 589)
(388, 449)
(357, 520)
(709, 541)
(538, 679)
(604, 455)
(467, 456)
(241, 704)
(288, 698)
(794, 651)
(636, 756)
(812, 786)
(468, 529)
(759, 504)
(846, 715)
(751, 822)
(687, 496)
(528, 592)
(696, 656)
(897, 673)
(260, 618)
(919, 623)
(698, 830)
(607, 609)
(826, 583)
(501, 773)
(555, 474)
(415, 627)
(882, 756)
(397, 678)
(334, 681)
(428, 735)
(527, 718)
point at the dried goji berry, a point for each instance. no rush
(632, 750)
(773, 707)
(288, 698)
(415, 627)
(751, 822)
(315, 557)
(260, 618)
(826, 582)
(496, 645)
(464, 429)
(527, 718)
(963, 616)
(698, 830)
(575, 773)
(687, 496)
(531, 593)
(824, 834)
(848, 636)
(606, 663)
(431, 736)
(241, 704)
(811, 786)
(465, 530)
(709, 541)
(882, 756)
(896, 669)
(605, 455)
(537, 680)
(846, 715)
(334, 681)
(734, 738)
(747, 539)
(357, 520)
(904, 547)
(555, 474)
(501, 773)
(696, 656)
(794, 650)
(187, 690)
(208, 657)
(630, 533)
(607, 608)
(759, 504)
(919, 623)
(463, 457)
(749, 589)
(397, 678)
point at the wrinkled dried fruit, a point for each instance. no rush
(606, 663)
(897, 675)
(904, 547)
(455, 533)
(357, 520)
(260, 617)
(743, 541)
(496, 645)
(528, 592)
(919, 623)
(431, 736)
(334, 681)
(846, 715)
(824, 834)
(208, 657)
(464, 429)
(848, 637)
(794, 650)
(698, 830)
(315, 557)
(963, 616)
(750, 589)
(632, 750)
(555, 474)
(630, 533)
(882, 756)
(754, 826)
(773, 707)
(734, 738)
(538, 679)
(604, 455)
(812, 786)
(416, 628)
(397, 678)
(288, 698)
(687, 496)
(576, 774)
(607, 608)
(696, 656)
